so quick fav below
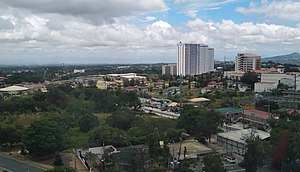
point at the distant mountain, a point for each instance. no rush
(293, 58)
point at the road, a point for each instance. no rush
(17, 166)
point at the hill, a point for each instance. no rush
(293, 58)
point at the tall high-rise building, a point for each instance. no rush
(247, 62)
(194, 59)
(169, 69)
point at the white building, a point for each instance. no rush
(247, 62)
(270, 81)
(194, 59)
(79, 71)
(169, 69)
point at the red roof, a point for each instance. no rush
(260, 113)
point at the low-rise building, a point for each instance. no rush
(214, 84)
(235, 141)
(256, 116)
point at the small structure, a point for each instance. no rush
(198, 101)
(231, 114)
(235, 141)
(193, 85)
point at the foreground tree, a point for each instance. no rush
(256, 154)
(43, 137)
(213, 163)
(62, 169)
(58, 160)
(200, 120)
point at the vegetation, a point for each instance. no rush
(213, 163)
(43, 137)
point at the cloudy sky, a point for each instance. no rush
(137, 31)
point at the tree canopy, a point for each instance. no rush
(43, 137)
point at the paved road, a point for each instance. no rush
(17, 166)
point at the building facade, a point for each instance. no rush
(247, 62)
(194, 59)
(169, 69)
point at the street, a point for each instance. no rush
(17, 166)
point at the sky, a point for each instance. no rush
(143, 31)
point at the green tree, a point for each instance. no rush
(57, 97)
(154, 147)
(43, 137)
(200, 120)
(213, 163)
(250, 78)
(57, 160)
(121, 119)
(263, 105)
(107, 135)
(256, 154)
(62, 169)
(9, 134)
(88, 122)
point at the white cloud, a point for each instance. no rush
(288, 9)
(191, 7)
(148, 19)
(94, 10)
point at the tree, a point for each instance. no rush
(263, 105)
(213, 163)
(121, 119)
(250, 78)
(154, 147)
(107, 135)
(88, 122)
(57, 97)
(43, 137)
(255, 154)
(62, 169)
(57, 160)
(200, 120)
(9, 134)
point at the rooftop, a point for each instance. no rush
(200, 99)
(259, 113)
(242, 135)
(13, 89)
(193, 148)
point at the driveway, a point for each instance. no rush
(17, 166)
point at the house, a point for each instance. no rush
(214, 84)
(206, 90)
(242, 87)
(255, 116)
(159, 84)
(193, 85)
